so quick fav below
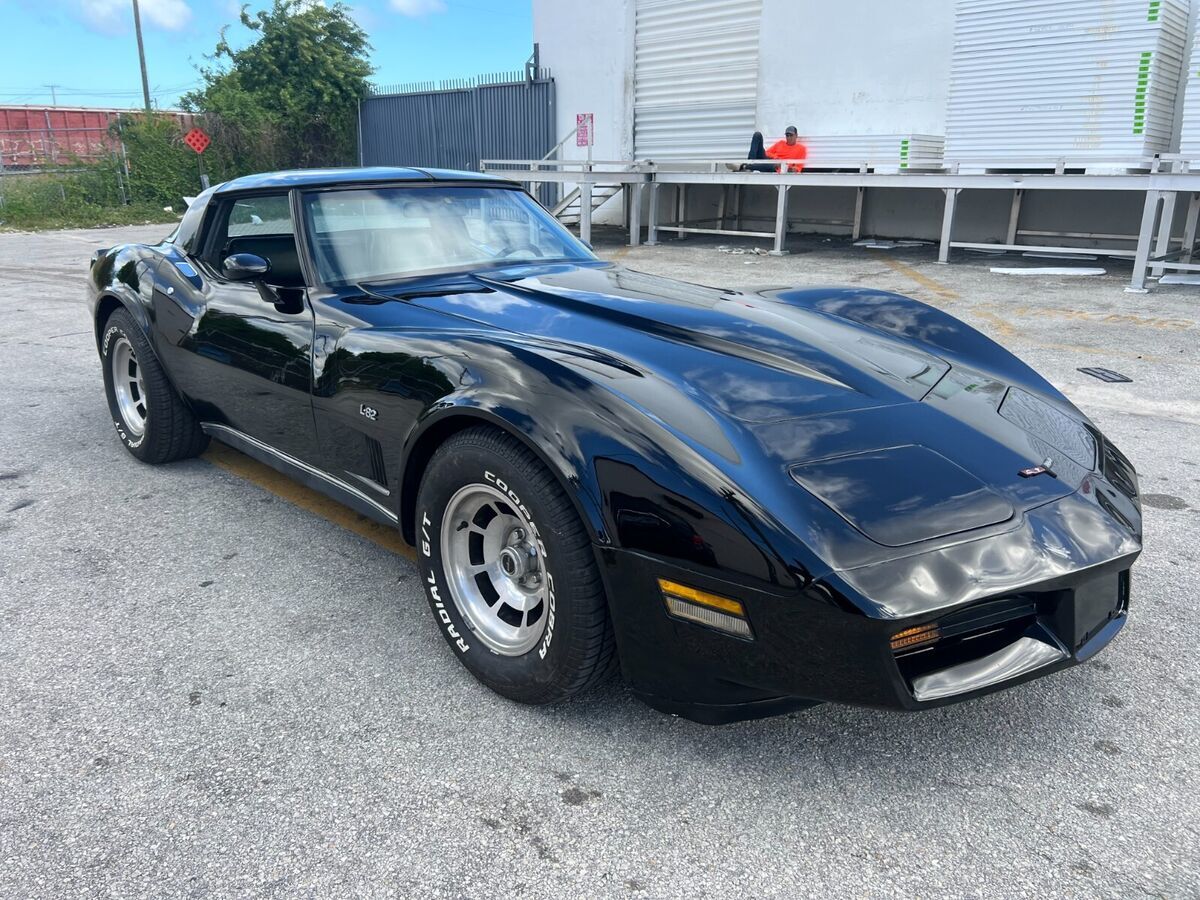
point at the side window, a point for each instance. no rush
(260, 215)
(261, 225)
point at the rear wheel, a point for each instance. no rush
(509, 570)
(150, 417)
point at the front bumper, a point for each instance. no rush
(813, 645)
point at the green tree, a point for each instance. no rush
(290, 98)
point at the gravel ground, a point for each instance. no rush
(205, 689)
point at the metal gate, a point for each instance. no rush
(457, 123)
(695, 78)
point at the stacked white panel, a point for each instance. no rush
(695, 78)
(879, 152)
(1035, 81)
(1189, 141)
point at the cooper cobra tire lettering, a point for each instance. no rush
(512, 495)
(503, 487)
(549, 617)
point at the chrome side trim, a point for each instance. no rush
(369, 482)
(1018, 658)
(217, 431)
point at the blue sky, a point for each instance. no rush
(87, 46)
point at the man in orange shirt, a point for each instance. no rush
(789, 148)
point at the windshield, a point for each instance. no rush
(381, 234)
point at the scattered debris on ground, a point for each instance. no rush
(1106, 375)
(1043, 254)
(880, 244)
(1048, 270)
(739, 251)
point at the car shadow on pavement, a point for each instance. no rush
(1062, 714)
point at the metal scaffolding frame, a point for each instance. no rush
(1162, 180)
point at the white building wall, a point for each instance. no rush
(588, 48)
(855, 67)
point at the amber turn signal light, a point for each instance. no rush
(916, 637)
(699, 606)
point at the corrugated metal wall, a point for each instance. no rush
(503, 116)
(695, 78)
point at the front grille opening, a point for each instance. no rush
(1120, 605)
(969, 634)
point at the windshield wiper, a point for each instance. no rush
(374, 297)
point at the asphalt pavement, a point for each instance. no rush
(211, 686)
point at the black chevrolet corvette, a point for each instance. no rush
(749, 502)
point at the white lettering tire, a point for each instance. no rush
(151, 419)
(509, 570)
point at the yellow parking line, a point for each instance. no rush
(1000, 325)
(1104, 318)
(924, 280)
(293, 492)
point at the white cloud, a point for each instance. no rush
(116, 16)
(364, 17)
(418, 7)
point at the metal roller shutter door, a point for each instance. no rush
(695, 77)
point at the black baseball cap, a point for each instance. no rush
(791, 129)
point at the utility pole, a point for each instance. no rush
(53, 93)
(137, 27)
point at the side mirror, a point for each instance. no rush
(245, 267)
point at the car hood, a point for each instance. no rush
(831, 405)
(801, 362)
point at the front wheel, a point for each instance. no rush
(509, 570)
(150, 417)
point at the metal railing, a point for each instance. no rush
(1161, 179)
(553, 154)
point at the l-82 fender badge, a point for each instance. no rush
(369, 412)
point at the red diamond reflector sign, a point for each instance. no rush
(197, 140)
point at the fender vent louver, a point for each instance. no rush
(1118, 470)
(375, 457)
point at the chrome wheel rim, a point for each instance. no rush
(495, 569)
(128, 387)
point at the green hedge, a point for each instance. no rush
(71, 199)
(162, 170)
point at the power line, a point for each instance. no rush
(101, 92)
